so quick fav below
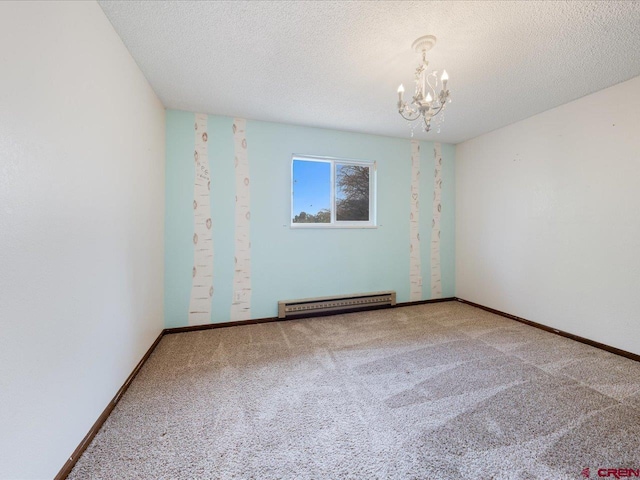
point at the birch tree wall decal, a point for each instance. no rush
(436, 279)
(241, 302)
(202, 273)
(415, 267)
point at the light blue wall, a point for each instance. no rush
(286, 263)
(178, 222)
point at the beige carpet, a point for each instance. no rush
(441, 391)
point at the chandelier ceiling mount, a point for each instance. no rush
(424, 44)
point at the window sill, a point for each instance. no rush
(312, 226)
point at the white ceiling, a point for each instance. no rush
(338, 64)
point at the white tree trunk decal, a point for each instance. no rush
(415, 273)
(202, 284)
(436, 279)
(241, 303)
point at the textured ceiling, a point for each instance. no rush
(338, 64)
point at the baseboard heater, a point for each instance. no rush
(343, 303)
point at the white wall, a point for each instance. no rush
(81, 227)
(548, 217)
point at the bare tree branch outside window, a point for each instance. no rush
(352, 193)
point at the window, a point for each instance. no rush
(332, 192)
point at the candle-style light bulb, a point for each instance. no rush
(429, 98)
(401, 89)
(444, 78)
(400, 92)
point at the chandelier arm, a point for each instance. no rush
(410, 119)
(442, 105)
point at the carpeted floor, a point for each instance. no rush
(440, 391)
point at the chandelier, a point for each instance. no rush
(426, 102)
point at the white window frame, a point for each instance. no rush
(373, 171)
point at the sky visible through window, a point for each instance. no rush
(311, 186)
